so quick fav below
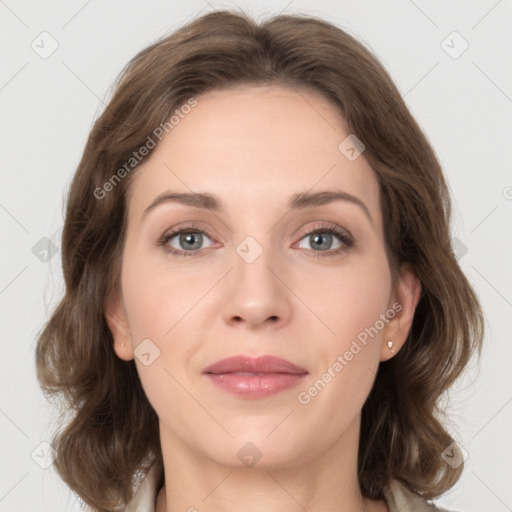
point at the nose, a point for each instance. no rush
(257, 295)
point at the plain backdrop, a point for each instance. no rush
(450, 60)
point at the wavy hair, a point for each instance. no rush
(112, 433)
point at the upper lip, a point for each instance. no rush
(262, 364)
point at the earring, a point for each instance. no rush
(390, 345)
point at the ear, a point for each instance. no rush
(117, 321)
(405, 298)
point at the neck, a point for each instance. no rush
(327, 482)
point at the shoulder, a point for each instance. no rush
(401, 499)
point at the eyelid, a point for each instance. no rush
(328, 226)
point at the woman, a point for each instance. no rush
(262, 304)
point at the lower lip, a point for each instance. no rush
(255, 385)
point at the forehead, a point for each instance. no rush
(255, 146)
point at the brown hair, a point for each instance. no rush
(113, 431)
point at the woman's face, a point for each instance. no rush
(248, 279)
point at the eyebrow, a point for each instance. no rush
(299, 201)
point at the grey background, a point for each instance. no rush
(464, 105)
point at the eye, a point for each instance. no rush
(321, 239)
(186, 241)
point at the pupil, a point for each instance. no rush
(320, 236)
(189, 239)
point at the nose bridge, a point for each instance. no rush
(255, 292)
(254, 258)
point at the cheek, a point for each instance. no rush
(347, 361)
(162, 304)
(353, 300)
(157, 297)
(157, 305)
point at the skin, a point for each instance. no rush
(254, 147)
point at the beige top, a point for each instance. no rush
(398, 498)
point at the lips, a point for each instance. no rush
(254, 377)
(262, 364)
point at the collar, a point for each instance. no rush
(396, 495)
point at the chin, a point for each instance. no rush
(252, 450)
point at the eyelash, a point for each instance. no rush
(344, 237)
